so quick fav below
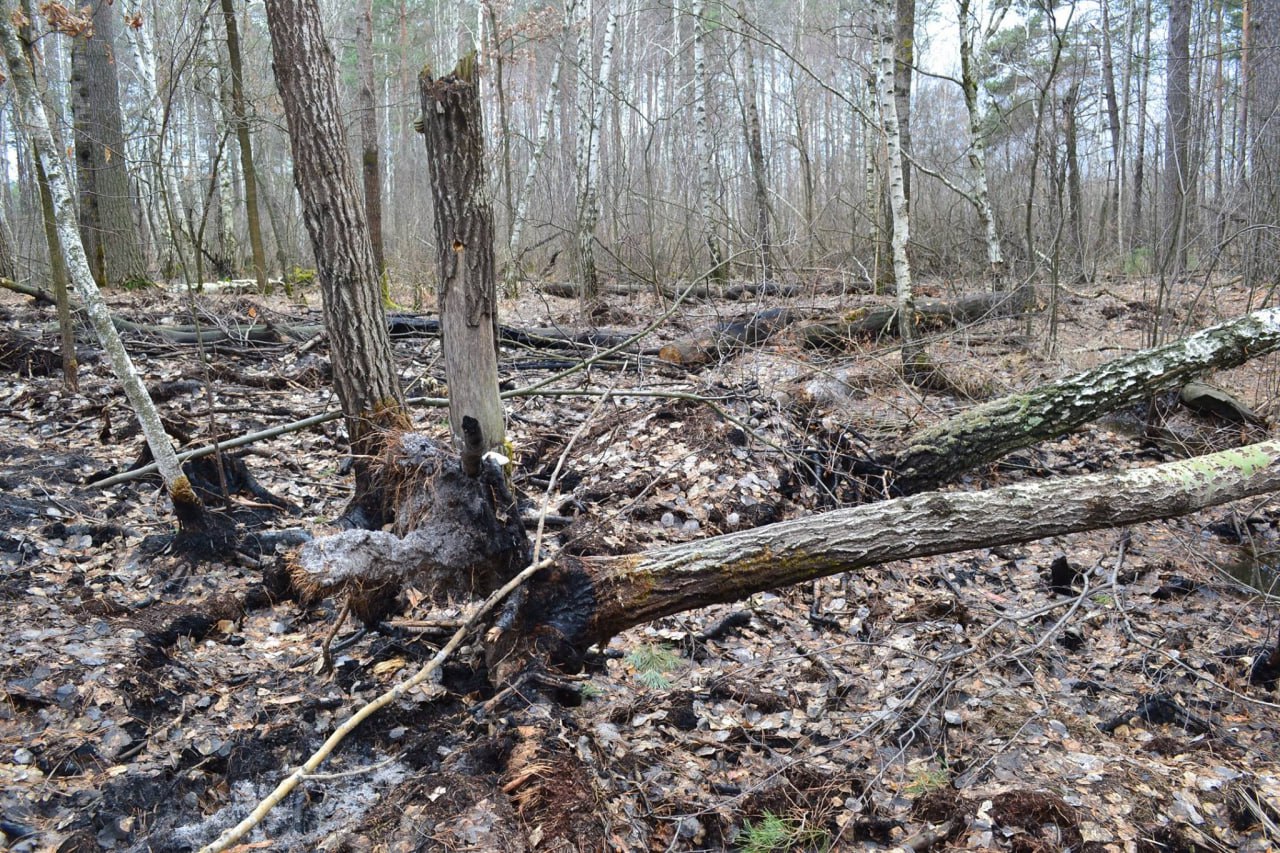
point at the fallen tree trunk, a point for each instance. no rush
(40, 295)
(928, 314)
(732, 292)
(581, 601)
(710, 344)
(985, 433)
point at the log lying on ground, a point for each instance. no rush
(985, 433)
(930, 314)
(38, 294)
(726, 337)
(418, 325)
(733, 292)
(583, 601)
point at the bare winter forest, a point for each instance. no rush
(605, 426)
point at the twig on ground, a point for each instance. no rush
(231, 836)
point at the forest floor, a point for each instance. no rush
(949, 703)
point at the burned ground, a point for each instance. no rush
(970, 701)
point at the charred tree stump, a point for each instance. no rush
(985, 433)
(453, 534)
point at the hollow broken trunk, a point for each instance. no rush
(453, 128)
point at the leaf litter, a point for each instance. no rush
(954, 702)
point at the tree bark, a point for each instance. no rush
(1178, 193)
(526, 188)
(1115, 169)
(706, 151)
(928, 313)
(904, 67)
(755, 152)
(108, 226)
(164, 179)
(592, 599)
(454, 130)
(370, 160)
(8, 260)
(187, 506)
(914, 359)
(363, 365)
(590, 107)
(972, 50)
(985, 433)
(1263, 102)
(245, 143)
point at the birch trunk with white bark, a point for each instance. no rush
(187, 505)
(706, 150)
(913, 355)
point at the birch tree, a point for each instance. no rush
(166, 222)
(914, 359)
(590, 110)
(521, 211)
(973, 37)
(706, 149)
(191, 513)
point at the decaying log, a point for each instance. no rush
(877, 321)
(40, 295)
(726, 337)
(581, 601)
(732, 292)
(985, 433)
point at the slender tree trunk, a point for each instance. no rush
(1111, 204)
(755, 152)
(706, 151)
(590, 106)
(370, 161)
(59, 277)
(1178, 191)
(364, 371)
(48, 218)
(108, 228)
(454, 129)
(1075, 192)
(985, 433)
(1140, 159)
(496, 39)
(904, 67)
(8, 259)
(578, 23)
(972, 46)
(187, 505)
(1264, 142)
(156, 116)
(914, 359)
(526, 188)
(245, 143)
